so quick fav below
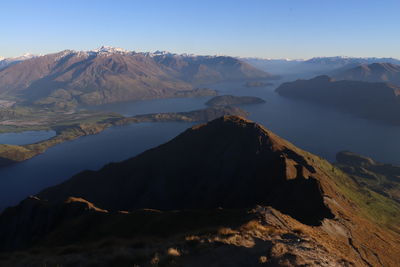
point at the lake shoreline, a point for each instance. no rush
(10, 154)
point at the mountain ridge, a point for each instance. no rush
(314, 66)
(375, 72)
(377, 101)
(281, 204)
(110, 75)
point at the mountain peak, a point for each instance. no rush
(20, 58)
(110, 50)
(387, 72)
(230, 162)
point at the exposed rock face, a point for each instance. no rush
(376, 72)
(69, 77)
(213, 183)
(378, 101)
(230, 100)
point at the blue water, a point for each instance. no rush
(89, 152)
(24, 138)
(318, 129)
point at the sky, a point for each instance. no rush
(246, 28)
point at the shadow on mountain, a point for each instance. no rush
(229, 162)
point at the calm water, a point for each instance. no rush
(90, 152)
(317, 129)
(321, 130)
(24, 138)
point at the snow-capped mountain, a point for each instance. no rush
(109, 74)
(110, 50)
(341, 61)
(4, 62)
(274, 66)
(314, 66)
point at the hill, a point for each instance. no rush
(376, 72)
(376, 101)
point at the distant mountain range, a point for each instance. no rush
(375, 72)
(275, 66)
(225, 193)
(346, 61)
(313, 66)
(377, 101)
(110, 74)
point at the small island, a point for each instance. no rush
(257, 84)
(230, 100)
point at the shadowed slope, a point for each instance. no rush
(377, 101)
(318, 216)
(229, 162)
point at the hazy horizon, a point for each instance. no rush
(27, 53)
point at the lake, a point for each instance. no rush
(318, 129)
(27, 137)
(89, 152)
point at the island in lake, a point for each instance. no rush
(370, 100)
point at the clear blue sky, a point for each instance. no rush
(263, 28)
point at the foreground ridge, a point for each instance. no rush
(225, 192)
